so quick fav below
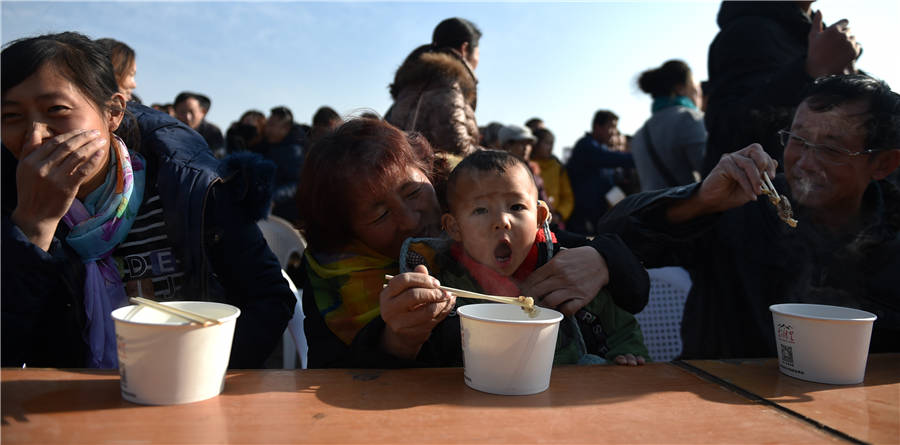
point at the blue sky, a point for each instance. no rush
(559, 61)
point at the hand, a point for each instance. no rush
(736, 180)
(49, 176)
(630, 360)
(831, 50)
(412, 304)
(569, 281)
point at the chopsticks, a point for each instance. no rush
(187, 315)
(527, 303)
(769, 188)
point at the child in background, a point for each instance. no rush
(499, 236)
(554, 175)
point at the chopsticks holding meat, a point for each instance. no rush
(780, 202)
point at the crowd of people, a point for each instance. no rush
(105, 198)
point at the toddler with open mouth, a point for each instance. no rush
(499, 235)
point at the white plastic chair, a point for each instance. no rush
(661, 319)
(288, 245)
(284, 240)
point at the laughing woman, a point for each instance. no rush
(89, 221)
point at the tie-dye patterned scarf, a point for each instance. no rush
(97, 226)
(346, 285)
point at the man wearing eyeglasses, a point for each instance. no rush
(843, 142)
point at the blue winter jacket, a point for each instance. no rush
(210, 209)
(592, 169)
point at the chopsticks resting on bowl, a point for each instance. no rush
(178, 312)
(527, 303)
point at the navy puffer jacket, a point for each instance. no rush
(210, 209)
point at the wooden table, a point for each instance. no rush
(656, 403)
(868, 412)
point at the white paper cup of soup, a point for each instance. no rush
(505, 351)
(166, 360)
(819, 343)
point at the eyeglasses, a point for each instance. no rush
(825, 153)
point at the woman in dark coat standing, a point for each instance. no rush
(434, 90)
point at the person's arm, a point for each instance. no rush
(48, 177)
(600, 158)
(736, 180)
(572, 278)
(753, 65)
(757, 75)
(251, 278)
(42, 317)
(412, 305)
(661, 226)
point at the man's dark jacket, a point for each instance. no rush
(745, 259)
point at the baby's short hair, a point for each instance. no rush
(497, 161)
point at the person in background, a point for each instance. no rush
(761, 61)
(592, 171)
(280, 145)
(554, 176)
(518, 140)
(324, 121)
(93, 214)
(246, 132)
(498, 236)
(367, 187)
(434, 90)
(741, 254)
(704, 95)
(165, 108)
(534, 124)
(490, 135)
(124, 64)
(191, 108)
(668, 150)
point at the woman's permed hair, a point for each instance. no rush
(361, 154)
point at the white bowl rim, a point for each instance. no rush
(781, 309)
(557, 316)
(225, 319)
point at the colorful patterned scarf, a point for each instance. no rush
(97, 226)
(346, 285)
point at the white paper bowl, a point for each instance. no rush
(505, 351)
(819, 343)
(164, 360)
